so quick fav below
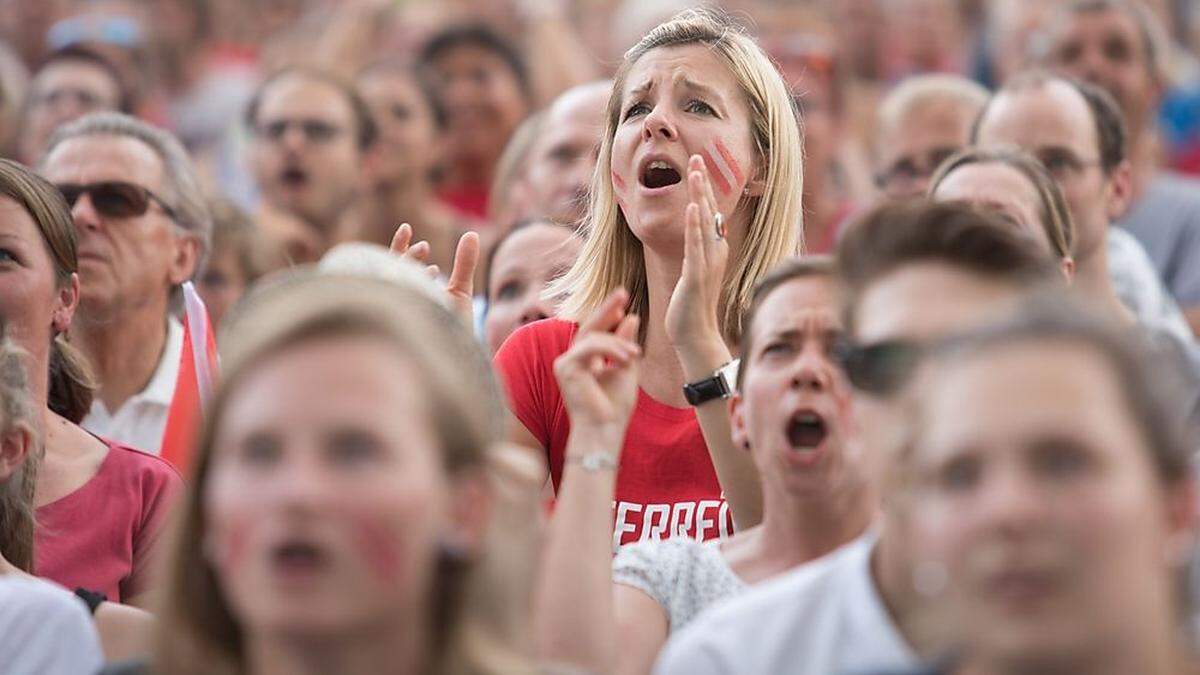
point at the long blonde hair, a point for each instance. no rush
(199, 632)
(612, 256)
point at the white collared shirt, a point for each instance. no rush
(140, 421)
(823, 618)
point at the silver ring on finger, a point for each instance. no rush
(719, 225)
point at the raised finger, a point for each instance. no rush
(401, 239)
(418, 252)
(466, 259)
(608, 315)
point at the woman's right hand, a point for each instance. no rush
(598, 375)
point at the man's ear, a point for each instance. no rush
(187, 257)
(14, 448)
(1119, 194)
(737, 422)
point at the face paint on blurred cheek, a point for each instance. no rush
(724, 169)
(378, 546)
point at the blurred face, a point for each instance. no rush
(1002, 189)
(222, 284)
(1033, 490)
(793, 408)
(61, 92)
(407, 128)
(1054, 124)
(325, 512)
(911, 148)
(1106, 49)
(897, 307)
(677, 102)
(525, 263)
(125, 262)
(33, 308)
(305, 155)
(563, 158)
(484, 104)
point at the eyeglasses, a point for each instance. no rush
(908, 171)
(880, 368)
(116, 199)
(315, 131)
(1063, 164)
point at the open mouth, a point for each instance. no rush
(806, 430)
(294, 177)
(659, 174)
(298, 557)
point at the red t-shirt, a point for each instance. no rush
(666, 484)
(100, 537)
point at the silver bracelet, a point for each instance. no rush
(593, 462)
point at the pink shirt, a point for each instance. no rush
(101, 536)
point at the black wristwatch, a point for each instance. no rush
(721, 384)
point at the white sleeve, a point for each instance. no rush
(46, 630)
(690, 652)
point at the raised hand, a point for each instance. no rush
(692, 312)
(460, 288)
(598, 375)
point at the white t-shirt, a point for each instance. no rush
(141, 420)
(44, 630)
(823, 618)
(682, 575)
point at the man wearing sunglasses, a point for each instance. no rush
(311, 133)
(912, 274)
(143, 228)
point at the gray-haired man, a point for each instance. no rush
(143, 229)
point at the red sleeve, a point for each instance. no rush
(160, 485)
(525, 366)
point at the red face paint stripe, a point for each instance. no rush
(379, 548)
(734, 168)
(714, 172)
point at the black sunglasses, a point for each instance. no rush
(880, 368)
(115, 199)
(315, 131)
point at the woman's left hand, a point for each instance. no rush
(460, 288)
(692, 320)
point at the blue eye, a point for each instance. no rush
(700, 107)
(636, 109)
(6, 256)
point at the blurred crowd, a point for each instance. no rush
(599, 336)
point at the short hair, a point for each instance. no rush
(1150, 383)
(485, 38)
(1155, 41)
(82, 54)
(899, 234)
(923, 90)
(1111, 135)
(1052, 206)
(801, 267)
(366, 131)
(185, 195)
